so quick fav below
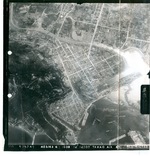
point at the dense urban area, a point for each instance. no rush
(73, 75)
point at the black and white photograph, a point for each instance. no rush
(74, 76)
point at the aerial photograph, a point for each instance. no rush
(75, 73)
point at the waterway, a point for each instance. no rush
(108, 120)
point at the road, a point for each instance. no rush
(99, 17)
(66, 40)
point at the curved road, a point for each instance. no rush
(68, 40)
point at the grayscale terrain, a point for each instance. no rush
(75, 73)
